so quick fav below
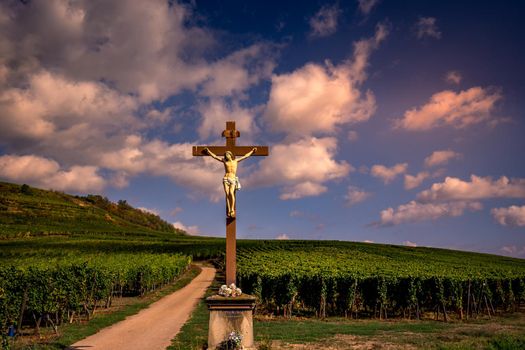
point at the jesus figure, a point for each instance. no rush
(230, 181)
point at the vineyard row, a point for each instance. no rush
(73, 288)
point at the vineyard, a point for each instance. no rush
(50, 290)
(359, 279)
(62, 258)
(27, 212)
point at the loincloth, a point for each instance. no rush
(232, 181)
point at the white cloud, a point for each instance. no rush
(513, 250)
(412, 182)
(352, 136)
(447, 108)
(368, 241)
(296, 214)
(149, 211)
(282, 236)
(162, 159)
(477, 188)
(47, 173)
(52, 107)
(303, 189)
(511, 216)
(302, 167)
(441, 157)
(237, 72)
(152, 50)
(388, 174)
(216, 112)
(427, 27)
(192, 230)
(365, 6)
(414, 212)
(324, 22)
(317, 98)
(453, 77)
(409, 244)
(356, 195)
(175, 211)
(84, 85)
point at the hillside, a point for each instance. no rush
(28, 211)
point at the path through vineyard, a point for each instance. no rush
(154, 327)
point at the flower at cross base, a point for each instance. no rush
(233, 342)
(230, 291)
(235, 339)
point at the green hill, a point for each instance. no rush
(27, 211)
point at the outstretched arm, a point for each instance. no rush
(247, 154)
(211, 154)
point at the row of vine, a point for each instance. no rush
(352, 283)
(61, 290)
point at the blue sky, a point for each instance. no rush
(390, 122)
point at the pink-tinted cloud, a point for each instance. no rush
(192, 230)
(51, 106)
(409, 244)
(388, 174)
(366, 6)
(47, 173)
(426, 27)
(82, 88)
(416, 212)
(412, 181)
(511, 216)
(356, 195)
(513, 250)
(301, 167)
(352, 136)
(475, 189)
(149, 210)
(216, 112)
(317, 98)
(453, 77)
(441, 157)
(152, 50)
(448, 108)
(324, 22)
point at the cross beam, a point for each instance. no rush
(231, 135)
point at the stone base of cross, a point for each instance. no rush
(231, 222)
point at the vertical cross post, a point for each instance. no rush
(231, 250)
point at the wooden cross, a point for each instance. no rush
(231, 244)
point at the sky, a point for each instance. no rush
(395, 122)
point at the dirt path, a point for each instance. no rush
(154, 327)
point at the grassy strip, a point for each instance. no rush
(194, 334)
(304, 331)
(506, 332)
(70, 333)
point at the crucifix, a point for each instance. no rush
(231, 184)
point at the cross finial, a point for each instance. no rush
(230, 133)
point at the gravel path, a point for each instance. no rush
(154, 327)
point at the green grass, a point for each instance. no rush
(71, 333)
(26, 211)
(304, 331)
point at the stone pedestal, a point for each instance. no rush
(230, 314)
